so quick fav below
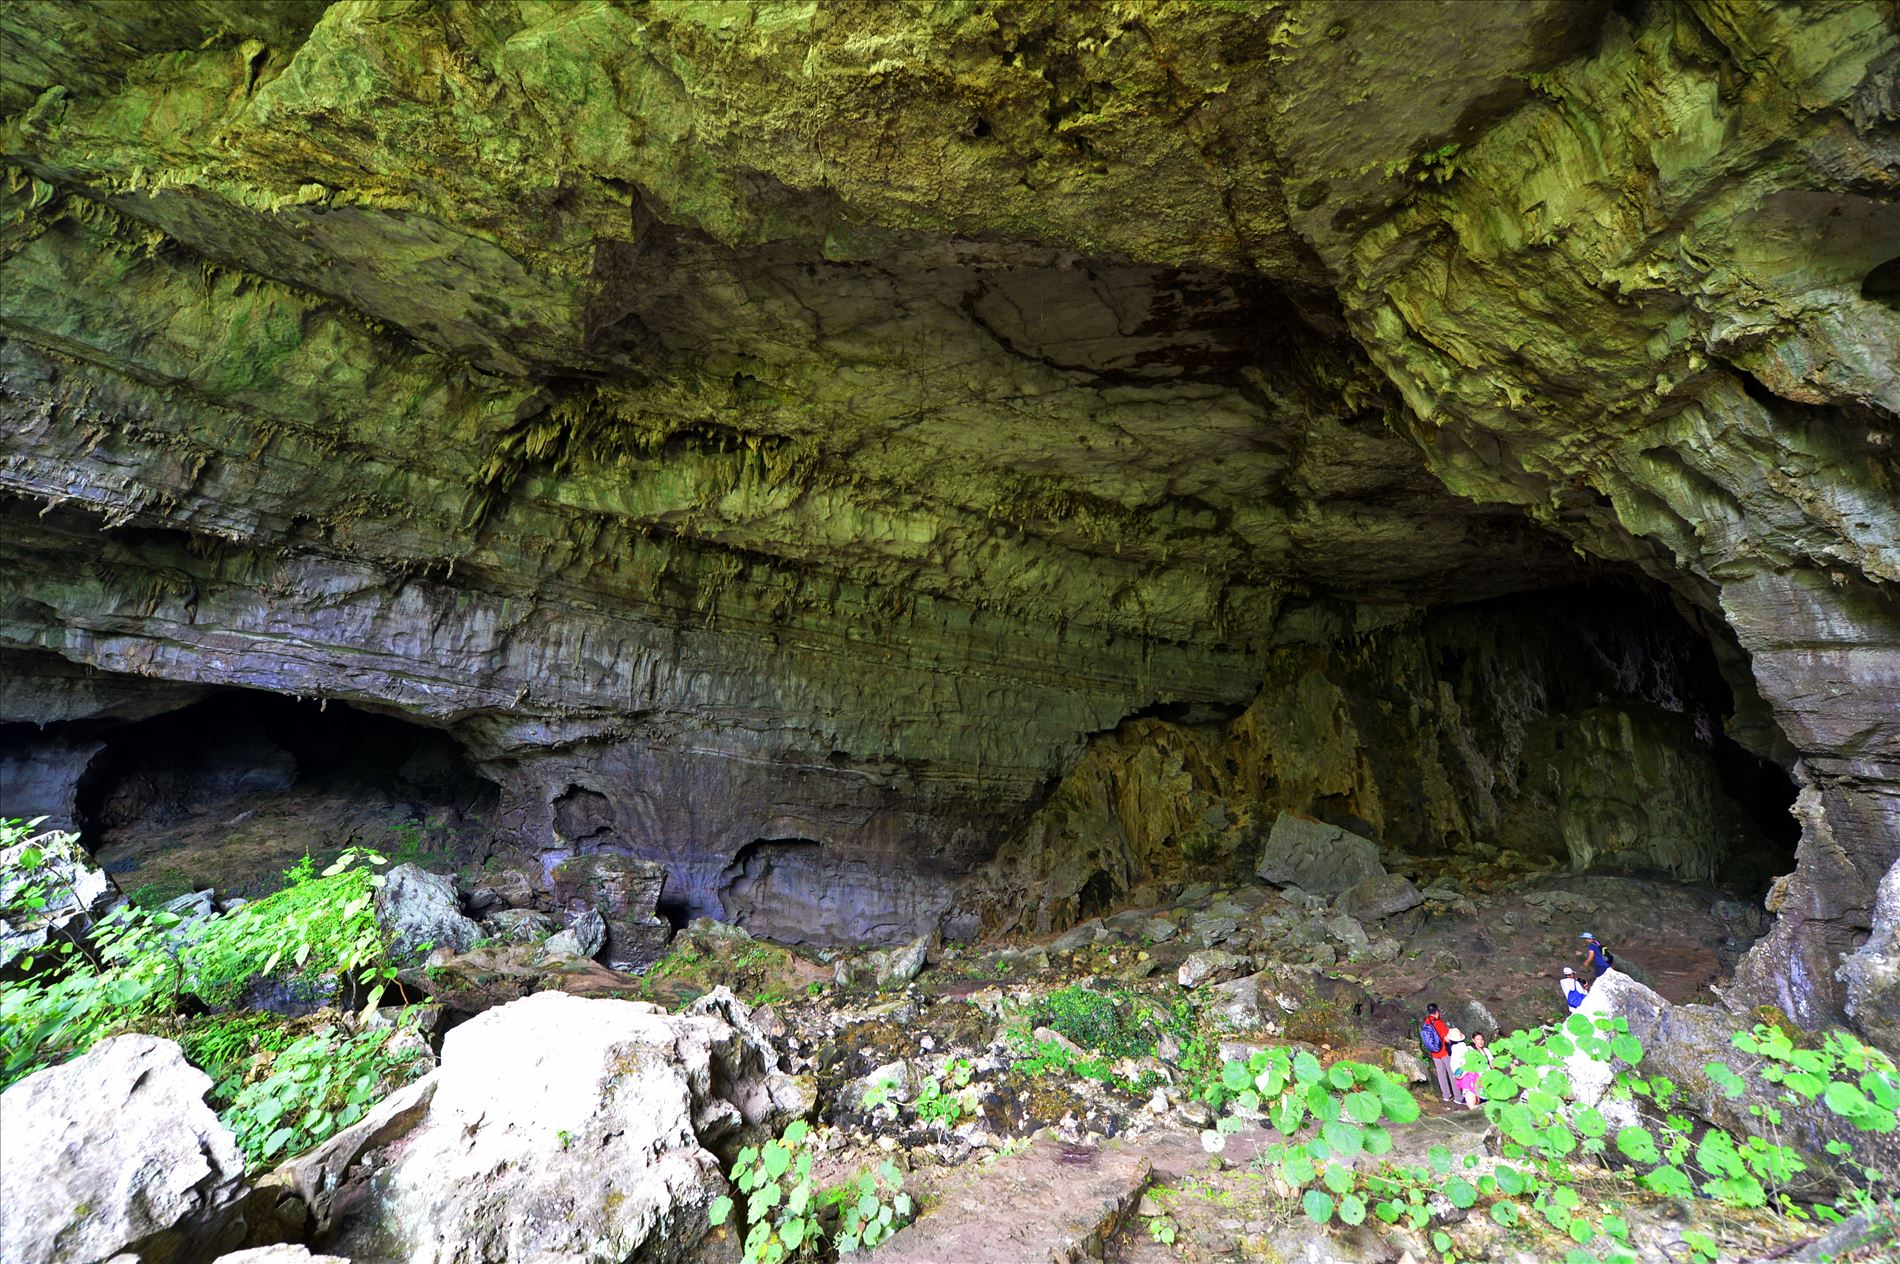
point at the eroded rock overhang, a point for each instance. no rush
(809, 423)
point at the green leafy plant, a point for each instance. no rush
(880, 1092)
(1162, 1229)
(1549, 1138)
(319, 1085)
(780, 1210)
(130, 972)
(321, 927)
(79, 988)
(224, 1046)
(871, 1208)
(938, 1105)
(1102, 1022)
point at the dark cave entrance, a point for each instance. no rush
(230, 791)
(1631, 679)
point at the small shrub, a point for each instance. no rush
(319, 1085)
(937, 1104)
(1100, 1022)
(129, 973)
(322, 926)
(871, 1208)
(223, 1046)
(780, 1211)
(126, 973)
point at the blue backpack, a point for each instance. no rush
(1428, 1036)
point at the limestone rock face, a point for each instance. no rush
(600, 1108)
(743, 426)
(1317, 857)
(115, 1152)
(1872, 971)
(621, 894)
(420, 911)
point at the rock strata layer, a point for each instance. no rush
(754, 428)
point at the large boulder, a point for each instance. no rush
(54, 868)
(626, 893)
(1380, 897)
(1317, 857)
(585, 936)
(557, 1128)
(117, 1152)
(421, 911)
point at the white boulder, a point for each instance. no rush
(115, 1152)
(557, 1128)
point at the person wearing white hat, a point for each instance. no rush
(1573, 988)
(1455, 1063)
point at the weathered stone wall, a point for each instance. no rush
(812, 420)
(1588, 728)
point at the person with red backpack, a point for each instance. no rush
(1432, 1035)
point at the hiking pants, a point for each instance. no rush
(1441, 1067)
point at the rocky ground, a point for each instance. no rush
(1037, 1098)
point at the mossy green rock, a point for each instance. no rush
(810, 421)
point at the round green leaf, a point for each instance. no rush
(1461, 1192)
(1352, 1209)
(1306, 1068)
(1363, 1107)
(1637, 1145)
(1318, 1205)
(1845, 1099)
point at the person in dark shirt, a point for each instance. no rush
(1601, 958)
(1432, 1035)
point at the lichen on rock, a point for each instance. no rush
(858, 428)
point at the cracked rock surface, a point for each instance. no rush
(811, 425)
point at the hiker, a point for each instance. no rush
(1573, 988)
(1455, 1054)
(1431, 1035)
(1476, 1062)
(1600, 957)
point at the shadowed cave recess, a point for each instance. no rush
(967, 501)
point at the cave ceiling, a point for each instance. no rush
(926, 387)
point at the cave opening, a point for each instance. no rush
(1882, 285)
(1640, 738)
(230, 791)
